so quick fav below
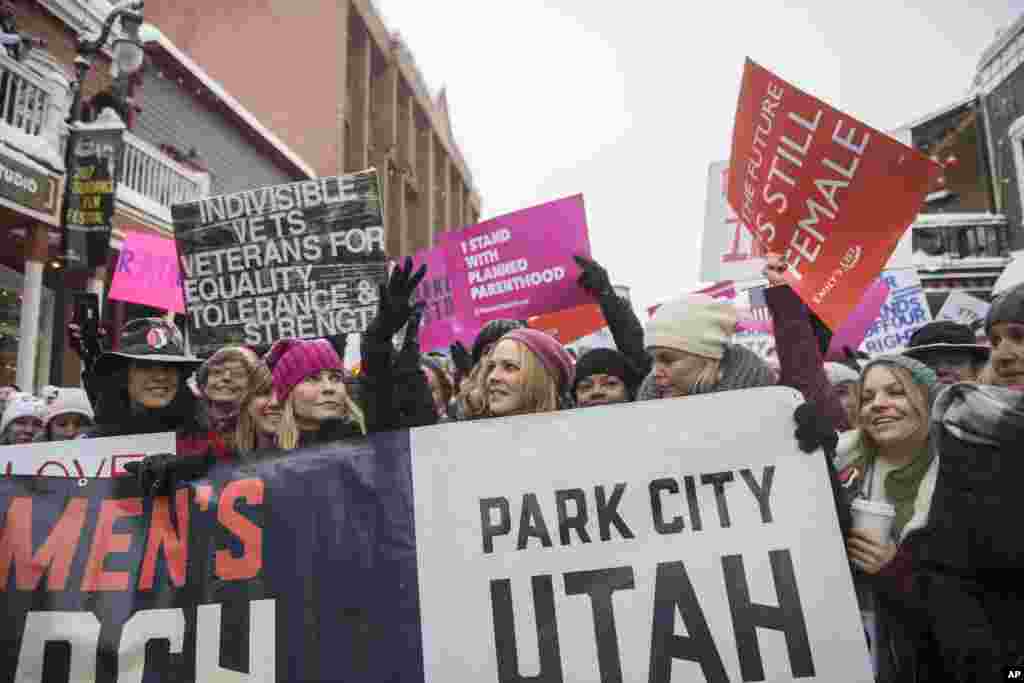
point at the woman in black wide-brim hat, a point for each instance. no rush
(141, 387)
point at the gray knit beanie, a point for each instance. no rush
(1008, 307)
(922, 375)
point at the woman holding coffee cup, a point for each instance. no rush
(888, 467)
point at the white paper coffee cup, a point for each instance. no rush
(873, 516)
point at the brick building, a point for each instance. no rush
(341, 90)
(186, 137)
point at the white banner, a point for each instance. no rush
(963, 308)
(80, 458)
(675, 540)
(903, 313)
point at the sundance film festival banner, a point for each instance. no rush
(531, 549)
(89, 207)
(831, 194)
(296, 260)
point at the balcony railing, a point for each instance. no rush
(30, 111)
(152, 181)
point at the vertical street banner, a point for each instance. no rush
(728, 250)
(296, 260)
(520, 264)
(147, 272)
(96, 155)
(829, 193)
(507, 550)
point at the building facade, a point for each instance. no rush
(186, 138)
(973, 222)
(348, 96)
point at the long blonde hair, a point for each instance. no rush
(916, 395)
(245, 432)
(540, 391)
(288, 434)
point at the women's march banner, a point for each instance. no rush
(829, 193)
(569, 546)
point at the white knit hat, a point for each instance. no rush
(70, 400)
(697, 324)
(838, 374)
(22, 405)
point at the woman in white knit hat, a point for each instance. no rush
(689, 343)
(68, 414)
(22, 421)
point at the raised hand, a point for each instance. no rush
(394, 306)
(86, 343)
(593, 278)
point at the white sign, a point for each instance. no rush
(1012, 275)
(675, 540)
(963, 308)
(903, 313)
(728, 250)
(81, 458)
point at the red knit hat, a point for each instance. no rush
(293, 360)
(555, 359)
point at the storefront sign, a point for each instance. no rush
(29, 187)
(95, 161)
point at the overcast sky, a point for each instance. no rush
(629, 102)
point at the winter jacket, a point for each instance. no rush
(801, 363)
(972, 559)
(626, 329)
(901, 619)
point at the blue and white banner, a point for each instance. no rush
(676, 540)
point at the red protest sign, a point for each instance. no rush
(828, 192)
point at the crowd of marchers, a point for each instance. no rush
(936, 433)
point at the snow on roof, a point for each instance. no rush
(940, 220)
(151, 34)
(941, 111)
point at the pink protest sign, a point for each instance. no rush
(440, 326)
(147, 273)
(856, 326)
(520, 264)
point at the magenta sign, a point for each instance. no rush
(520, 264)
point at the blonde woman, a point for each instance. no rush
(527, 371)
(260, 416)
(889, 458)
(309, 381)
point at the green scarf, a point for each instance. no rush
(900, 484)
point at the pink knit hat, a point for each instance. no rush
(293, 360)
(555, 359)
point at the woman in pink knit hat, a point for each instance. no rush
(528, 371)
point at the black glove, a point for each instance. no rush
(814, 430)
(159, 474)
(853, 359)
(594, 278)
(409, 357)
(462, 359)
(86, 343)
(394, 307)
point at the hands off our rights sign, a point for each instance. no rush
(296, 260)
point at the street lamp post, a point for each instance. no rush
(128, 56)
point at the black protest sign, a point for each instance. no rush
(296, 260)
(296, 568)
(89, 207)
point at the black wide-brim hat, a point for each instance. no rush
(945, 335)
(152, 340)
